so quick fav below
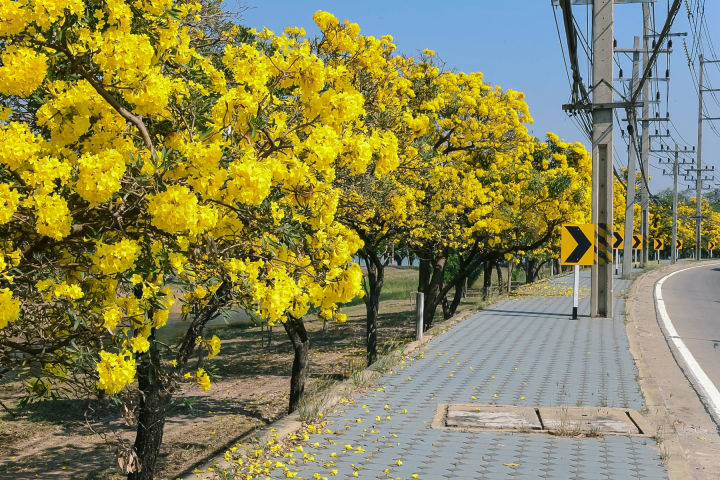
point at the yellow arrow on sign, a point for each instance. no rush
(576, 244)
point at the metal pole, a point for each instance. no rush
(698, 180)
(576, 287)
(420, 305)
(673, 247)
(645, 144)
(601, 300)
(616, 256)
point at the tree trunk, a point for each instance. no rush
(530, 270)
(509, 281)
(433, 297)
(487, 279)
(156, 391)
(498, 270)
(430, 282)
(376, 277)
(539, 267)
(152, 408)
(295, 329)
(460, 285)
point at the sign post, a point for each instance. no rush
(419, 325)
(576, 248)
(576, 288)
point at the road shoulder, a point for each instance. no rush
(688, 437)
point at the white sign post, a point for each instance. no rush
(576, 287)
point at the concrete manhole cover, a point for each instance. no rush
(492, 417)
(563, 421)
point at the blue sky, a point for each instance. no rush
(515, 44)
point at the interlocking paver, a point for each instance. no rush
(520, 351)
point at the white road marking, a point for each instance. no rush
(708, 387)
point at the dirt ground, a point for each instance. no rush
(72, 439)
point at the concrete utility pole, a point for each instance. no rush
(700, 170)
(601, 298)
(676, 173)
(673, 249)
(698, 180)
(674, 234)
(645, 146)
(632, 161)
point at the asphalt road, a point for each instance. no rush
(692, 299)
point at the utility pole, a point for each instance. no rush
(673, 249)
(632, 161)
(645, 145)
(675, 173)
(700, 170)
(601, 298)
(698, 180)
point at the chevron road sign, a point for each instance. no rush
(711, 245)
(618, 242)
(576, 244)
(637, 242)
(658, 244)
(678, 244)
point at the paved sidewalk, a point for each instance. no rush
(523, 351)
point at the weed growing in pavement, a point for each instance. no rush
(316, 402)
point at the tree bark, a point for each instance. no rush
(460, 284)
(433, 288)
(295, 329)
(152, 408)
(498, 270)
(539, 266)
(530, 270)
(487, 278)
(156, 392)
(509, 281)
(376, 277)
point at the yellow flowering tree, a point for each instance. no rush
(376, 199)
(140, 163)
(474, 126)
(489, 189)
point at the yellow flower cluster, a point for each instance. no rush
(213, 346)
(118, 257)
(13, 21)
(60, 290)
(17, 145)
(202, 379)
(176, 210)
(9, 307)
(99, 175)
(115, 371)
(23, 70)
(9, 200)
(52, 216)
